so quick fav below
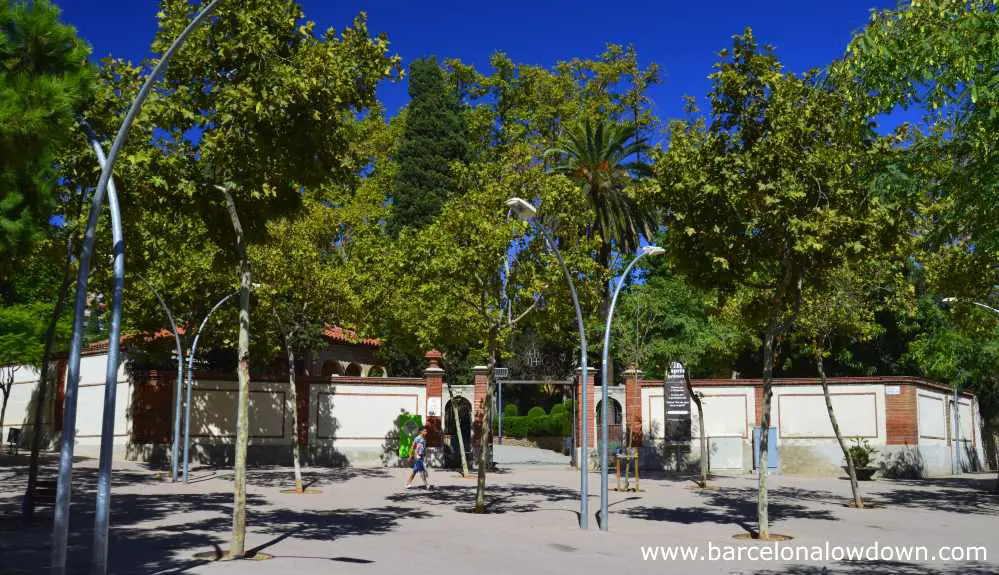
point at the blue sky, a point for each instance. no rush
(683, 37)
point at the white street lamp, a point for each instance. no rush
(526, 212)
(645, 251)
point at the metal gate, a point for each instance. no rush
(520, 451)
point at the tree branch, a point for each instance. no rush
(523, 314)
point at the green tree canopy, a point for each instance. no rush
(434, 137)
(666, 320)
(774, 193)
(941, 56)
(44, 81)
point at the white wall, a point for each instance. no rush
(937, 432)
(90, 406)
(357, 421)
(728, 414)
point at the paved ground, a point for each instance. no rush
(364, 523)
(517, 455)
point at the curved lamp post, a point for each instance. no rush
(60, 521)
(525, 211)
(956, 460)
(190, 384)
(99, 566)
(645, 251)
(174, 459)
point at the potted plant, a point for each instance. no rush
(862, 453)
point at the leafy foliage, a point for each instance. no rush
(44, 81)
(941, 55)
(595, 154)
(434, 138)
(666, 320)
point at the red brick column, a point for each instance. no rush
(758, 389)
(433, 377)
(591, 407)
(481, 374)
(633, 404)
(900, 422)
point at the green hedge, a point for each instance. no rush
(536, 411)
(557, 409)
(522, 426)
(510, 410)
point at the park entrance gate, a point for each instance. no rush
(514, 451)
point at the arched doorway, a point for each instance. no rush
(353, 370)
(615, 420)
(450, 430)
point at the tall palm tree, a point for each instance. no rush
(594, 153)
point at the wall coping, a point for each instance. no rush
(306, 379)
(789, 381)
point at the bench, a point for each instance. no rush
(13, 440)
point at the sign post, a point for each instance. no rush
(499, 374)
(677, 428)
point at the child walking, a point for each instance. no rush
(419, 466)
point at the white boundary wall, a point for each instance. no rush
(805, 440)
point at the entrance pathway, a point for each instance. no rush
(518, 455)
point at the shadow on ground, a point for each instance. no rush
(159, 533)
(499, 498)
(955, 495)
(284, 477)
(884, 568)
(737, 506)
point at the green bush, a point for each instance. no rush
(536, 411)
(861, 452)
(557, 409)
(510, 410)
(523, 426)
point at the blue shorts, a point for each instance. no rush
(418, 466)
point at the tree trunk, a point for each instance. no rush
(486, 435)
(762, 503)
(238, 548)
(7, 386)
(700, 417)
(457, 425)
(28, 505)
(296, 450)
(857, 500)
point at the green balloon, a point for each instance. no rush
(408, 426)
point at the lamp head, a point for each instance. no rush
(524, 210)
(653, 251)
(949, 299)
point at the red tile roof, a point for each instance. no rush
(335, 334)
(338, 334)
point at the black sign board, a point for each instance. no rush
(677, 411)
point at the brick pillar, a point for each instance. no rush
(591, 407)
(633, 404)
(433, 377)
(759, 405)
(481, 374)
(900, 419)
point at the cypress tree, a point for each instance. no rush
(44, 82)
(433, 138)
